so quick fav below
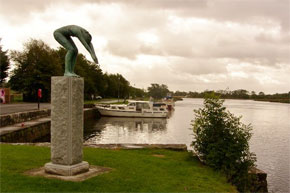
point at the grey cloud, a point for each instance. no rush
(224, 10)
(17, 11)
(270, 39)
(119, 48)
(151, 50)
(259, 52)
(170, 4)
(245, 11)
(198, 66)
(269, 54)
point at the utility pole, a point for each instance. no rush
(118, 88)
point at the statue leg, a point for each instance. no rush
(71, 55)
(70, 58)
(74, 54)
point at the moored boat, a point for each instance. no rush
(168, 104)
(133, 109)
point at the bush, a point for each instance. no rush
(221, 141)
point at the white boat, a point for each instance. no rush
(168, 104)
(133, 109)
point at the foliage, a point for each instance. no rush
(158, 91)
(34, 67)
(221, 141)
(133, 171)
(137, 92)
(116, 86)
(4, 65)
(180, 93)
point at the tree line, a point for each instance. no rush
(238, 94)
(37, 62)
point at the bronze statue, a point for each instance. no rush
(63, 36)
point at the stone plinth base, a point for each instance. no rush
(93, 171)
(66, 170)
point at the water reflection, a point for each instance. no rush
(126, 130)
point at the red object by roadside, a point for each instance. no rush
(39, 93)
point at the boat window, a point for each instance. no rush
(113, 107)
(146, 106)
(161, 109)
(138, 106)
(131, 104)
(122, 108)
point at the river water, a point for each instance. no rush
(270, 140)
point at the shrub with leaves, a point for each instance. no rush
(221, 141)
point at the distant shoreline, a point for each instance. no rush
(287, 101)
(273, 100)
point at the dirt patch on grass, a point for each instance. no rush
(158, 155)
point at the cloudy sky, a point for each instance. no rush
(190, 45)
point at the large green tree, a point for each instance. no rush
(34, 67)
(137, 92)
(116, 86)
(158, 91)
(4, 64)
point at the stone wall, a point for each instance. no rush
(89, 106)
(14, 118)
(91, 113)
(36, 132)
(258, 180)
(27, 134)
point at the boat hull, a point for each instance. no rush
(112, 113)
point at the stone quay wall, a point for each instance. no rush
(27, 133)
(258, 180)
(91, 113)
(33, 133)
(14, 118)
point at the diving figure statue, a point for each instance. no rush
(63, 36)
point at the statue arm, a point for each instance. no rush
(90, 48)
(93, 53)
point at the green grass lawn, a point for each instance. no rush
(133, 171)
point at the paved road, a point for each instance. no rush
(21, 107)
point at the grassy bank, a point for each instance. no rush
(133, 171)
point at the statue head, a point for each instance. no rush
(86, 35)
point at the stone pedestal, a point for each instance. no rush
(67, 96)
